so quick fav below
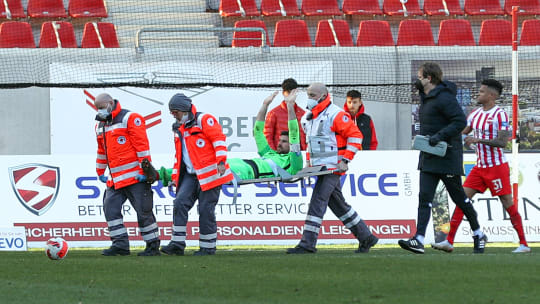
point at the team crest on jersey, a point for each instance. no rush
(210, 121)
(345, 118)
(121, 140)
(200, 143)
(137, 121)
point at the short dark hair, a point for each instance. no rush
(432, 69)
(289, 84)
(493, 84)
(354, 94)
(286, 133)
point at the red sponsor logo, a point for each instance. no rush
(227, 230)
(35, 185)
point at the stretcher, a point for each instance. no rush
(283, 176)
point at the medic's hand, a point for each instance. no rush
(221, 168)
(103, 178)
(171, 186)
(342, 166)
(141, 178)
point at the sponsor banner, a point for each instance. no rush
(227, 230)
(13, 239)
(380, 186)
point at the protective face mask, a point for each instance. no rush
(418, 84)
(184, 118)
(103, 114)
(311, 103)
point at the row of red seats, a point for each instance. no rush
(10, 9)
(377, 33)
(245, 8)
(57, 34)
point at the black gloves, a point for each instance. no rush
(434, 139)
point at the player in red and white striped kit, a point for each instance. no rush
(491, 131)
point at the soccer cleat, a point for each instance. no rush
(412, 245)
(113, 251)
(172, 250)
(479, 243)
(444, 246)
(522, 249)
(366, 244)
(299, 250)
(204, 251)
(152, 249)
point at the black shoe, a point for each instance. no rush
(113, 250)
(152, 249)
(369, 242)
(299, 250)
(204, 251)
(412, 245)
(479, 243)
(172, 250)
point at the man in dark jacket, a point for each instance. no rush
(442, 119)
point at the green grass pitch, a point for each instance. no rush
(335, 274)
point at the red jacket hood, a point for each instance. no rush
(117, 108)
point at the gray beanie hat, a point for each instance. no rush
(180, 102)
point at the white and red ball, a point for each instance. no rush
(56, 248)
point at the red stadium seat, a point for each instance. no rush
(415, 32)
(495, 32)
(46, 9)
(279, 8)
(333, 32)
(14, 9)
(291, 33)
(62, 37)
(482, 7)
(244, 39)
(374, 33)
(99, 35)
(526, 7)
(397, 8)
(456, 32)
(87, 8)
(530, 32)
(361, 7)
(436, 7)
(238, 8)
(16, 34)
(320, 8)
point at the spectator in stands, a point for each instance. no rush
(334, 141)
(441, 119)
(355, 107)
(200, 168)
(277, 119)
(122, 145)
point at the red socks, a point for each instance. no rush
(515, 218)
(457, 217)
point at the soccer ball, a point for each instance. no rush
(56, 248)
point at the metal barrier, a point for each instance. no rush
(183, 29)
